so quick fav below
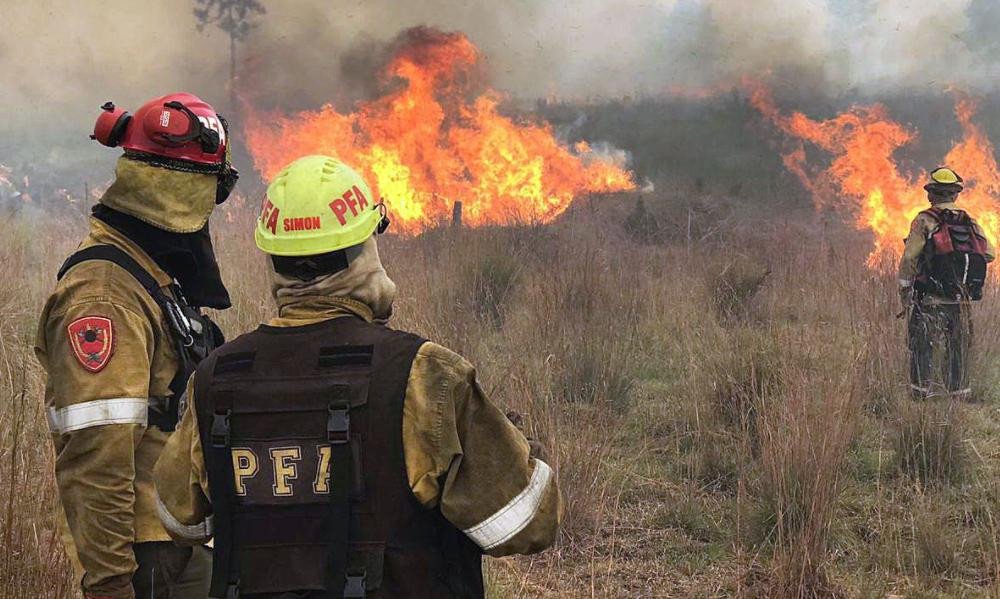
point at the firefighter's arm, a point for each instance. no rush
(909, 264)
(98, 357)
(464, 455)
(182, 499)
(991, 252)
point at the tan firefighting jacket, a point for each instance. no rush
(921, 229)
(97, 393)
(462, 454)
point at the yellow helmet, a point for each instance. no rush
(317, 205)
(944, 183)
(945, 176)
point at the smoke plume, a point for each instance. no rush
(59, 61)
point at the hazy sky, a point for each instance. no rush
(60, 60)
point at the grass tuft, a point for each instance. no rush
(928, 442)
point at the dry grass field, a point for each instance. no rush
(722, 394)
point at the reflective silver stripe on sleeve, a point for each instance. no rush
(120, 410)
(516, 515)
(187, 532)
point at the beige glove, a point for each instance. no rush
(537, 450)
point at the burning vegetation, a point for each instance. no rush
(437, 137)
(732, 373)
(865, 177)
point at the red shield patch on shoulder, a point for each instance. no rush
(93, 341)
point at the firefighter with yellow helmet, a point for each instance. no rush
(333, 456)
(942, 270)
(119, 337)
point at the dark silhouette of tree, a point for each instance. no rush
(236, 19)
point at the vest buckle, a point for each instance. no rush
(220, 428)
(338, 423)
(356, 585)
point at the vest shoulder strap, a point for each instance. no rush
(215, 439)
(110, 253)
(178, 323)
(173, 310)
(935, 213)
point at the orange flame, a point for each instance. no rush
(865, 178)
(433, 141)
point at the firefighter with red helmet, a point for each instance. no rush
(943, 270)
(333, 455)
(120, 335)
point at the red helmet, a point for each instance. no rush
(176, 126)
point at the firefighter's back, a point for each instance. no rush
(302, 431)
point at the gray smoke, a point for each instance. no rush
(59, 60)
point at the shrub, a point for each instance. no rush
(734, 287)
(641, 225)
(936, 545)
(717, 463)
(744, 376)
(594, 370)
(491, 280)
(689, 515)
(804, 443)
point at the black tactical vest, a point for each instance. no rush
(302, 433)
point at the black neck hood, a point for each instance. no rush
(187, 257)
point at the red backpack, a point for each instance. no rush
(954, 261)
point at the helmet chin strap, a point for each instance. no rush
(384, 223)
(228, 175)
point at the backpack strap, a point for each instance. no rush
(935, 213)
(110, 253)
(941, 216)
(179, 323)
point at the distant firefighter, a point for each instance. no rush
(120, 336)
(335, 456)
(943, 269)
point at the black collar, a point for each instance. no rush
(187, 257)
